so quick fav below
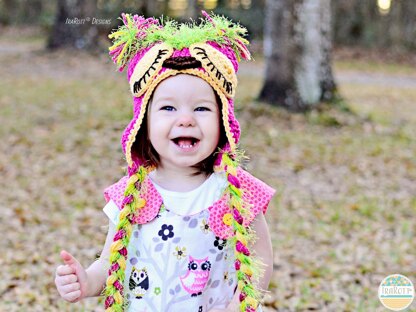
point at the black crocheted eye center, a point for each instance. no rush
(182, 62)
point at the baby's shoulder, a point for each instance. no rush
(153, 201)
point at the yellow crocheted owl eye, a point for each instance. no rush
(218, 67)
(148, 67)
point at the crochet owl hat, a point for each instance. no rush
(211, 51)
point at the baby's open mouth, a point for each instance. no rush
(185, 142)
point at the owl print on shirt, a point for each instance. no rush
(185, 272)
(139, 282)
(195, 280)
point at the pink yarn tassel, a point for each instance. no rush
(241, 248)
(133, 169)
(114, 267)
(233, 180)
(124, 18)
(119, 235)
(204, 13)
(127, 200)
(116, 50)
(237, 265)
(218, 159)
(237, 216)
(118, 285)
(109, 302)
(123, 251)
(245, 53)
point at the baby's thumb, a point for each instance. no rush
(69, 259)
(80, 272)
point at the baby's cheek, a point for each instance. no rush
(214, 133)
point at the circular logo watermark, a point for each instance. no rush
(396, 292)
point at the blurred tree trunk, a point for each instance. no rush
(280, 79)
(361, 23)
(192, 9)
(221, 3)
(31, 11)
(354, 20)
(327, 82)
(73, 26)
(409, 23)
(11, 11)
(150, 8)
(297, 47)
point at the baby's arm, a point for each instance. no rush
(263, 249)
(74, 282)
(98, 270)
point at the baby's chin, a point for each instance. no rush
(186, 164)
(190, 166)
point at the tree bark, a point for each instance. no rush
(31, 11)
(150, 8)
(192, 9)
(297, 48)
(74, 26)
(327, 83)
(11, 12)
(279, 47)
(409, 24)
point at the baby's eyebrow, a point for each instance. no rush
(164, 98)
(205, 100)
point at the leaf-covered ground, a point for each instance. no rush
(342, 220)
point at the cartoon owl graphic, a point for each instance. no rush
(195, 280)
(139, 282)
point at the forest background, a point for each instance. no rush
(344, 167)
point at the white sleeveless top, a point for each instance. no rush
(175, 262)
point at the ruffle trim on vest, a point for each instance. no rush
(152, 197)
(256, 193)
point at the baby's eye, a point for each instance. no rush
(167, 108)
(202, 109)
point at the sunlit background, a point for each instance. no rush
(368, 23)
(344, 171)
(384, 6)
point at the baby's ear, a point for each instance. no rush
(190, 258)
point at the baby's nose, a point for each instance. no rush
(186, 120)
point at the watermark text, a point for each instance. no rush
(87, 20)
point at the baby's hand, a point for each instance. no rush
(71, 278)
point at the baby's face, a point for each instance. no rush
(183, 121)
